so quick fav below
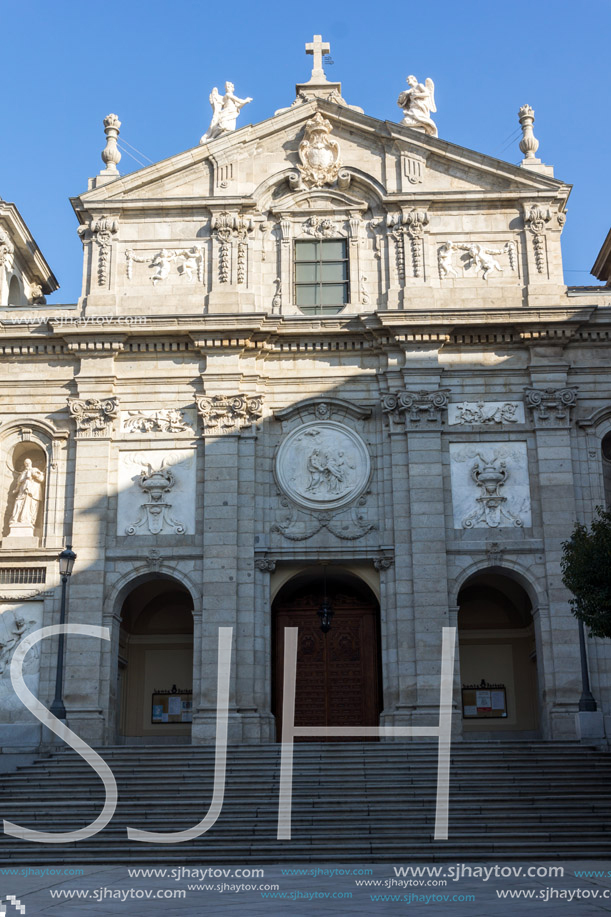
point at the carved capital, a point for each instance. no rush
(416, 407)
(231, 414)
(550, 407)
(101, 231)
(94, 417)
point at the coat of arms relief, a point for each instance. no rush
(319, 153)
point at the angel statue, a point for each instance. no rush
(417, 103)
(225, 111)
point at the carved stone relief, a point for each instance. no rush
(17, 620)
(221, 414)
(322, 228)
(319, 153)
(490, 485)
(322, 465)
(490, 413)
(168, 420)
(156, 493)
(478, 259)
(94, 417)
(409, 225)
(188, 262)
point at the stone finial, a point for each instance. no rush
(529, 143)
(110, 154)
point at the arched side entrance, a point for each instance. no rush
(338, 673)
(497, 651)
(156, 663)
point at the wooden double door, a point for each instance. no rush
(338, 673)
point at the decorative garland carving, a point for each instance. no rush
(227, 226)
(535, 220)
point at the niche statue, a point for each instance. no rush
(28, 497)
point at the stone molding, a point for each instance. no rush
(94, 417)
(229, 414)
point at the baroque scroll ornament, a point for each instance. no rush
(229, 415)
(319, 153)
(101, 231)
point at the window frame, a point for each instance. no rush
(320, 308)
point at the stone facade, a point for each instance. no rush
(193, 423)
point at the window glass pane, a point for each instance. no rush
(307, 295)
(329, 310)
(333, 294)
(306, 251)
(307, 273)
(333, 250)
(334, 271)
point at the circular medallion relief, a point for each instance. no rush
(323, 465)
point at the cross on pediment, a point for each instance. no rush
(317, 48)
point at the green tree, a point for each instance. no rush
(586, 572)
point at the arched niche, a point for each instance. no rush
(605, 449)
(15, 295)
(498, 652)
(155, 658)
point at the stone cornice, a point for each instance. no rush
(260, 333)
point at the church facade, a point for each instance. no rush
(324, 371)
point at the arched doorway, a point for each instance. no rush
(498, 657)
(156, 663)
(339, 672)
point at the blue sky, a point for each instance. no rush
(68, 64)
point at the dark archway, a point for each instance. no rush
(338, 673)
(156, 654)
(498, 648)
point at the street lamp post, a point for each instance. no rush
(66, 563)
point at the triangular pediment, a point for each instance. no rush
(253, 162)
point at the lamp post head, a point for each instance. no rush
(66, 561)
(325, 613)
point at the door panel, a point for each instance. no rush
(337, 672)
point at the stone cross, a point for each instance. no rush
(317, 48)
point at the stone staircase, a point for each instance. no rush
(352, 802)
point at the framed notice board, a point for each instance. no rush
(484, 701)
(173, 706)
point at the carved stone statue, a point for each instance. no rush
(225, 111)
(417, 103)
(27, 500)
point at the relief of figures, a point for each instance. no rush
(189, 263)
(323, 465)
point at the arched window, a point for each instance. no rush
(606, 458)
(14, 292)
